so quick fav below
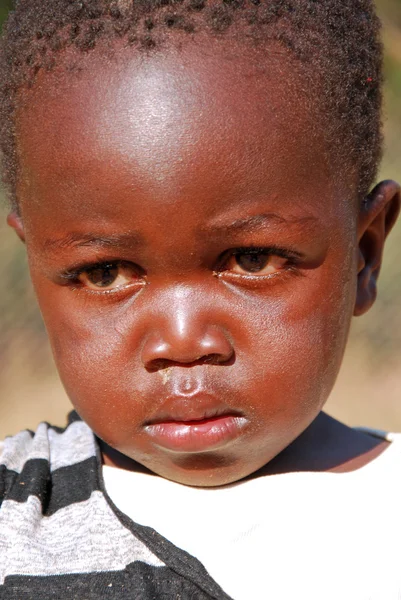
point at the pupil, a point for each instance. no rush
(252, 262)
(104, 276)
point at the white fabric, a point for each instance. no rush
(301, 535)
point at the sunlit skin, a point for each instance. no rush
(196, 257)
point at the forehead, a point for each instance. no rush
(163, 122)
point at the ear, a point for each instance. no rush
(14, 220)
(376, 218)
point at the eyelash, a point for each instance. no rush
(73, 274)
(71, 277)
(255, 281)
(293, 257)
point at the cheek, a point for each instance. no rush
(100, 374)
(299, 343)
(92, 354)
(89, 346)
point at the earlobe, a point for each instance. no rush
(376, 219)
(14, 220)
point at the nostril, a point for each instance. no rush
(219, 359)
(210, 359)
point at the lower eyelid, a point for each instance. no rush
(237, 275)
(111, 292)
(255, 280)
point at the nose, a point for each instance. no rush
(185, 331)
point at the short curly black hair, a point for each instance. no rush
(337, 39)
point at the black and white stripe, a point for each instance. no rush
(61, 536)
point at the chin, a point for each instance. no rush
(204, 470)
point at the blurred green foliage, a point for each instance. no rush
(4, 8)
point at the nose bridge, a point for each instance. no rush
(187, 312)
(184, 327)
(179, 308)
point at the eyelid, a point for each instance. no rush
(116, 292)
(291, 255)
(71, 278)
(256, 282)
(74, 273)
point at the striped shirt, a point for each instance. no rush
(62, 537)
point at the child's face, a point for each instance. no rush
(194, 256)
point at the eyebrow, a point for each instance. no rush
(134, 239)
(256, 221)
(79, 240)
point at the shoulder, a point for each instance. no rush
(28, 459)
(59, 530)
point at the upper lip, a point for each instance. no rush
(182, 409)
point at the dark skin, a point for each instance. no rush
(190, 242)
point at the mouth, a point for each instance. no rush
(195, 424)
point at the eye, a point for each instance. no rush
(108, 276)
(256, 262)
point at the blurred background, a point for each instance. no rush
(368, 391)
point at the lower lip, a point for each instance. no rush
(197, 436)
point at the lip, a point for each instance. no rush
(196, 436)
(194, 424)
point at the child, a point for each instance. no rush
(191, 180)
